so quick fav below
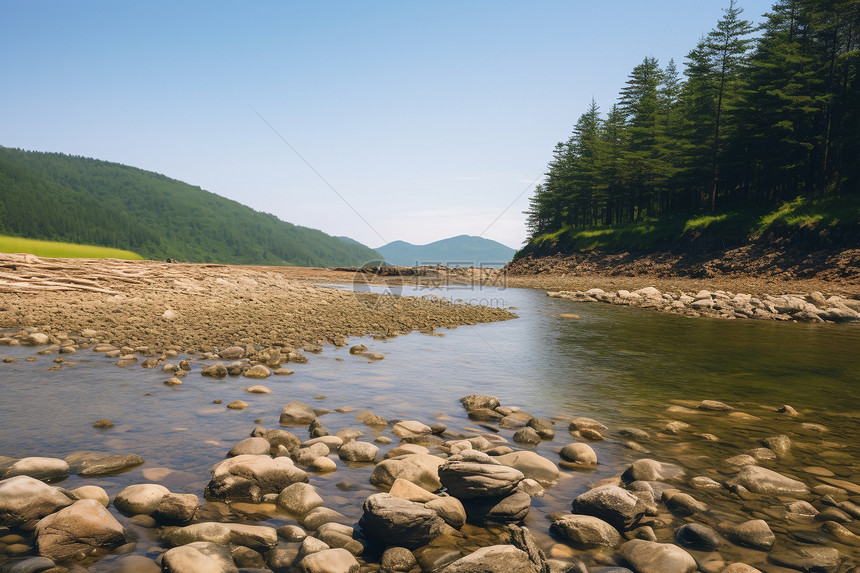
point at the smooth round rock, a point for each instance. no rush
(586, 531)
(356, 451)
(79, 528)
(392, 521)
(652, 557)
(579, 453)
(45, 469)
(299, 498)
(140, 498)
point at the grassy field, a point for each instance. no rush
(64, 250)
(729, 228)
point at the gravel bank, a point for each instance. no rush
(198, 308)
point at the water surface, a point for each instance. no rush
(621, 366)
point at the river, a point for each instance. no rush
(620, 366)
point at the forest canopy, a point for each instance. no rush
(757, 118)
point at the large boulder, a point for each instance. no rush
(479, 402)
(199, 557)
(255, 446)
(494, 559)
(251, 477)
(24, 499)
(511, 508)
(336, 560)
(45, 469)
(410, 429)
(652, 557)
(420, 469)
(754, 533)
(140, 498)
(297, 414)
(768, 482)
(586, 531)
(299, 498)
(532, 465)
(93, 464)
(81, 527)
(176, 508)
(466, 479)
(580, 454)
(618, 507)
(207, 531)
(260, 537)
(357, 452)
(652, 470)
(391, 521)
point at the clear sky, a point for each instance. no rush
(429, 119)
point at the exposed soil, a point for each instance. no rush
(754, 268)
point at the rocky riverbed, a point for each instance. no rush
(705, 486)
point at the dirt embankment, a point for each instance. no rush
(757, 268)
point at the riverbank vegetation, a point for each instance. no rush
(58, 197)
(758, 136)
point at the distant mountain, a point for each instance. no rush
(459, 251)
(79, 200)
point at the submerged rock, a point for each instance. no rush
(94, 464)
(768, 482)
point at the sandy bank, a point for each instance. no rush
(200, 307)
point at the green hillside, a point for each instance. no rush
(57, 197)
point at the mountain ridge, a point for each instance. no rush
(457, 251)
(54, 196)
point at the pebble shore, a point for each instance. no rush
(152, 307)
(814, 307)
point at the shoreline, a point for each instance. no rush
(150, 307)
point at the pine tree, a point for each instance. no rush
(726, 45)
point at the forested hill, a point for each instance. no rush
(758, 133)
(74, 199)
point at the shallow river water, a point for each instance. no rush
(621, 366)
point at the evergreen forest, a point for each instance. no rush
(60, 197)
(757, 121)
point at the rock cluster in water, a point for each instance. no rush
(814, 307)
(446, 503)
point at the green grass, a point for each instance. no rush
(727, 228)
(62, 250)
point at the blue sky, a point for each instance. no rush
(428, 118)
